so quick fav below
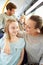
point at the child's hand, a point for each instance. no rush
(7, 51)
(7, 48)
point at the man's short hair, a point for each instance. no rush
(11, 6)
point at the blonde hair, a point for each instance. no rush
(6, 29)
(7, 37)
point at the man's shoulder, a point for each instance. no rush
(2, 14)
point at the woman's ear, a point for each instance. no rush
(38, 30)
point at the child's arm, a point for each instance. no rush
(21, 57)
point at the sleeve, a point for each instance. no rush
(1, 21)
(23, 43)
(41, 61)
(21, 34)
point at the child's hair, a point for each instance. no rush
(6, 29)
(11, 6)
(38, 21)
(7, 37)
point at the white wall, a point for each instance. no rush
(39, 11)
(1, 5)
(21, 5)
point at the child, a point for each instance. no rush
(12, 47)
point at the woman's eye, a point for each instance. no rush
(29, 27)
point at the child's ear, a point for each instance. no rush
(38, 30)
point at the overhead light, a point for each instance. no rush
(33, 7)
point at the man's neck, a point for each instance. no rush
(8, 14)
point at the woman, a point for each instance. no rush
(11, 47)
(34, 40)
(33, 36)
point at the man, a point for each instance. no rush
(9, 14)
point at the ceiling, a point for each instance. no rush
(22, 5)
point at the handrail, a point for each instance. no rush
(5, 5)
(33, 7)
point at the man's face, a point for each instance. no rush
(11, 12)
